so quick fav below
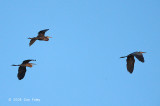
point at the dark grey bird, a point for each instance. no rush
(22, 68)
(41, 36)
(130, 60)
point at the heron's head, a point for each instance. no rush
(142, 52)
(48, 37)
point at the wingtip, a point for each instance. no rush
(130, 71)
(20, 78)
(46, 29)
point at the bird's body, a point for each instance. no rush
(22, 68)
(41, 36)
(130, 60)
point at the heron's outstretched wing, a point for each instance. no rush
(32, 41)
(21, 72)
(139, 56)
(130, 63)
(27, 61)
(42, 33)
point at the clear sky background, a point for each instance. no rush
(80, 65)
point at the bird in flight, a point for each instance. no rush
(41, 36)
(130, 60)
(22, 68)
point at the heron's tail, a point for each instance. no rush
(123, 57)
(14, 65)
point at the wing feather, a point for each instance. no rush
(32, 41)
(130, 63)
(42, 33)
(21, 72)
(139, 57)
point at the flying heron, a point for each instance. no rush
(130, 60)
(40, 37)
(22, 68)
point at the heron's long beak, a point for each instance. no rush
(49, 37)
(143, 52)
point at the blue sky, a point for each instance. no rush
(80, 65)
